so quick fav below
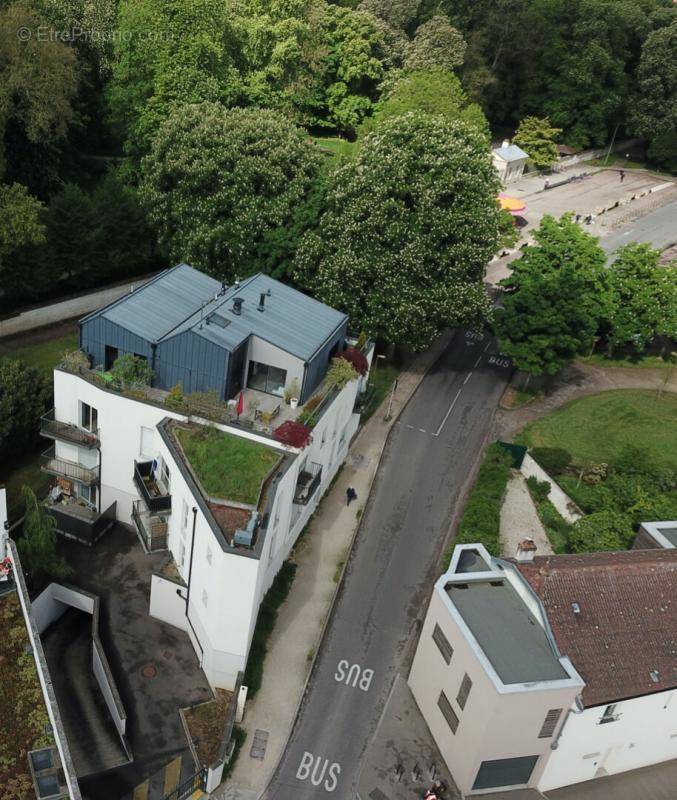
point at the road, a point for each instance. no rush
(390, 574)
(658, 228)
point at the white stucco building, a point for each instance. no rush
(547, 671)
(510, 161)
(118, 455)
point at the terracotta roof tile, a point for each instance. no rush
(627, 626)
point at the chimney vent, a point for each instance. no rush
(576, 607)
(506, 143)
(262, 302)
(237, 305)
(526, 550)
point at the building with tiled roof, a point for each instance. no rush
(542, 672)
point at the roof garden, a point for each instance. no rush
(228, 467)
(24, 723)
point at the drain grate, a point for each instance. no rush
(149, 671)
(259, 744)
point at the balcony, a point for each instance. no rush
(52, 428)
(64, 468)
(153, 493)
(308, 483)
(80, 521)
(152, 528)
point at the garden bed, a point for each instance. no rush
(206, 724)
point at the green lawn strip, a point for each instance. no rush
(556, 527)
(335, 148)
(227, 466)
(380, 383)
(596, 428)
(265, 623)
(634, 362)
(44, 356)
(615, 160)
(482, 515)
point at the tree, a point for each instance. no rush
(537, 137)
(437, 44)
(654, 110)
(555, 300)
(603, 530)
(410, 224)
(38, 77)
(24, 397)
(37, 545)
(398, 14)
(218, 180)
(168, 55)
(643, 298)
(20, 223)
(433, 92)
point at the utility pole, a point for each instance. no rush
(613, 139)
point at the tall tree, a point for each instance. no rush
(37, 545)
(24, 393)
(436, 45)
(410, 224)
(537, 137)
(218, 180)
(21, 227)
(643, 298)
(556, 299)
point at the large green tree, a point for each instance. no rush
(410, 224)
(21, 228)
(37, 544)
(218, 180)
(643, 298)
(556, 298)
(537, 137)
(436, 45)
(24, 395)
(436, 92)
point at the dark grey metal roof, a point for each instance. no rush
(156, 307)
(510, 636)
(290, 320)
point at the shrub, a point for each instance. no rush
(594, 474)
(340, 373)
(554, 460)
(604, 530)
(24, 397)
(175, 398)
(306, 417)
(539, 489)
(75, 361)
(131, 370)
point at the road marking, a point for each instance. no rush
(411, 427)
(446, 416)
(499, 361)
(487, 347)
(477, 363)
(423, 430)
(467, 377)
(319, 770)
(353, 675)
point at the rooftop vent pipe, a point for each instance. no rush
(526, 550)
(237, 305)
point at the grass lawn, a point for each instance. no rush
(639, 362)
(336, 148)
(45, 355)
(616, 160)
(380, 384)
(228, 466)
(598, 427)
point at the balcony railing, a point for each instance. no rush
(67, 432)
(308, 483)
(156, 498)
(79, 522)
(152, 528)
(64, 468)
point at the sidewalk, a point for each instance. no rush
(320, 557)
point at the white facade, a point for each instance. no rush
(226, 584)
(538, 733)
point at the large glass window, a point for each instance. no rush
(505, 772)
(266, 378)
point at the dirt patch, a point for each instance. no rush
(40, 335)
(206, 725)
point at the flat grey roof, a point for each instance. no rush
(510, 636)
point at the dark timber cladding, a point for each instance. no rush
(187, 326)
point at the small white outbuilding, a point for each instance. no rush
(510, 161)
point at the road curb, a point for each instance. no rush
(444, 341)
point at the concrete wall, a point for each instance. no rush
(166, 604)
(497, 722)
(588, 155)
(645, 733)
(265, 353)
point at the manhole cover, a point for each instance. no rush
(258, 748)
(149, 671)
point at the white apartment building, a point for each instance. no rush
(118, 455)
(542, 672)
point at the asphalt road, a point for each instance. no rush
(391, 571)
(658, 228)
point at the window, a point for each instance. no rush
(86, 493)
(147, 446)
(464, 691)
(550, 723)
(505, 772)
(609, 714)
(89, 417)
(163, 474)
(448, 712)
(266, 378)
(442, 643)
(205, 598)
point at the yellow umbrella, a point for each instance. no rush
(511, 204)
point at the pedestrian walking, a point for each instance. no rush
(351, 495)
(622, 173)
(546, 185)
